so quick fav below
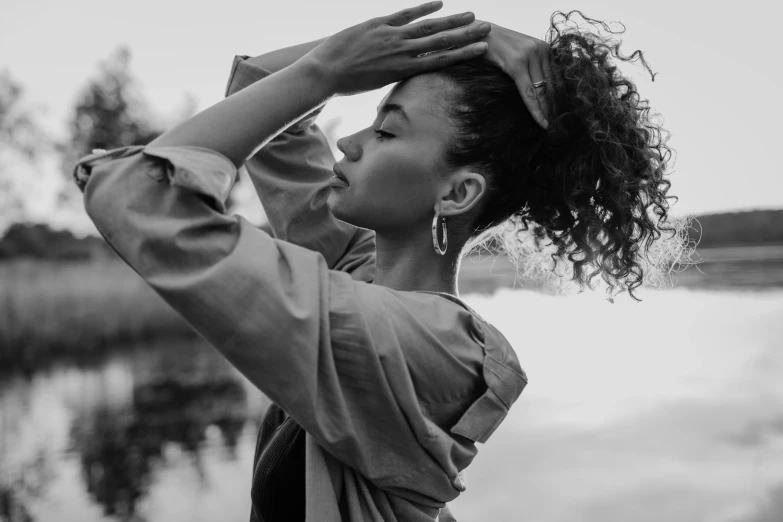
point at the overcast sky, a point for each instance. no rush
(718, 87)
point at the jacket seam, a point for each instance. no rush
(501, 363)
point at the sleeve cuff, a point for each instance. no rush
(244, 73)
(199, 169)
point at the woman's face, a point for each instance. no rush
(393, 175)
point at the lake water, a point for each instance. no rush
(666, 410)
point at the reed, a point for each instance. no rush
(55, 309)
(50, 309)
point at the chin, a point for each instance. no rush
(334, 206)
(338, 209)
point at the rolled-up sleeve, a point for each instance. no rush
(374, 375)
(290, 175)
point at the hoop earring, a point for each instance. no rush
(435, 241)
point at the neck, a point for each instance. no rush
(409, 264)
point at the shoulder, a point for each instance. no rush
(501, 369)
(420, 316)
(434, 342)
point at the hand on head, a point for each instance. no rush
(387, 49)
(390, 48)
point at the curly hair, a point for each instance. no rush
(592, 184)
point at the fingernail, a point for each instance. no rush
(484, 27)
(468, 17)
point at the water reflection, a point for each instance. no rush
(670, 409)
(12, 508)
(118, 447)
(119, 426)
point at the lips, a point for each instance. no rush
(339, 173)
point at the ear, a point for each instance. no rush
(461, 193)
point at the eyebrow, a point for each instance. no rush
(393, 107)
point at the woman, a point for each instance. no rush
(382, 390)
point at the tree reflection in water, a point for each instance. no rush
(12, 507)
(28, 485)
(119, 448)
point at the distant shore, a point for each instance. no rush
(50, 309)
(79, 308)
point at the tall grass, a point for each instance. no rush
(50, 309)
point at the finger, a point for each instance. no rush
(525, 86)
(436, 25)
(536, 73)
(457, 37)
(442, 59)
(546, 68)
(408, 15)
(546, 53)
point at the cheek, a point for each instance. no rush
(393, 186)
(397, 177)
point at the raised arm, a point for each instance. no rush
(290, 175)
(361, 58)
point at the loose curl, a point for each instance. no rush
(592, 184)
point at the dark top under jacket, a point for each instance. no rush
(278, 490)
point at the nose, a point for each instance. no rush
(349, 148)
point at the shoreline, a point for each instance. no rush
(51, 310)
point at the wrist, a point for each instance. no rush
(319, 75)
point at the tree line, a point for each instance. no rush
(744, 228)
(39, 241)
(110, 112)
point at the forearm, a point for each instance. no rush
(241, 124)
(290, 176)
(281, 58)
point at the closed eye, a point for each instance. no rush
(383, 134)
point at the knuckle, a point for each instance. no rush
(470, 32)
(442, 60)
(426, 27)
(454, 20)
(405, 14)
(443, 41)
